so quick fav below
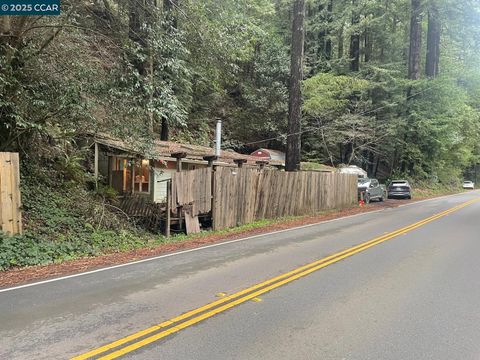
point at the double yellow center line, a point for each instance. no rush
(154, 333)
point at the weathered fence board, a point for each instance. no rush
(192, 188)
(10, 201)
(243, 195)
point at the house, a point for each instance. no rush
(145, 172)
(270, 155)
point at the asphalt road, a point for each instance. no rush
(415, 295)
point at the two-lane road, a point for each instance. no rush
(403, 283)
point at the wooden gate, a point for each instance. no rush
(10, 203)
(191, 195)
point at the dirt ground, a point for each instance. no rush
(18, 276)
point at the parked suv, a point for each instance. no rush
(370, 189)
(469, 185)
(399, 189)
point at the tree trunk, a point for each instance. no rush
(340, 42)
(355, 41)
(324, 51)
(135, 22)
(296, 77)
(328, 44)
(322, 37)
(433, 43)
(413, 74)
(5, 25)
(165, 133)
(415, 41)
(5, 36)
(368, 45)
(136, 17)
(169, 8)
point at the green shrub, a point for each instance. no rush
(63, 221)
(26, 250)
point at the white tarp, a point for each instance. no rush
(353, 169)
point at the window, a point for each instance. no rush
(142, 176)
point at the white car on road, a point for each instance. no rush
(468, 185)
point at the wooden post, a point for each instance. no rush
(169, 210)
(111, 166)
(10, 200)
(152, 180)
(214, 199)
(1, 194)
(179, 156)
(132, 173)
(210, 160)
(240, 162)
(180, 218)
(124, 162)
(16, 196)
(96, 164)
(261, 164)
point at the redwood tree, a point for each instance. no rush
(355, 40)
(415, 40)
(433, 43)
(171, 24)
(296, 77)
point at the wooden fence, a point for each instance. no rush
(243, 195)
(10, 202)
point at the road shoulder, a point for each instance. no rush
(21, 276)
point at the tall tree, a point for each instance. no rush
(328, 43)
(296, 77)
(324, 36)
(415, 40)
(171, 25)
(355, 39)
(432, 64)
(410, 134)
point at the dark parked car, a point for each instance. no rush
(399, 189)
(370, 189)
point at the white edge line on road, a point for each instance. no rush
(212, 246)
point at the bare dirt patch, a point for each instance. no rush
(18, 276)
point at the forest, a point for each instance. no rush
(392, 86)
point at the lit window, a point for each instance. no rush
(142, 176)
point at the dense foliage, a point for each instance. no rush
(64, 221)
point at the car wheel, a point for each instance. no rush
(380, 198)
(409, 197)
